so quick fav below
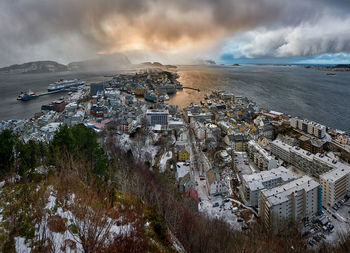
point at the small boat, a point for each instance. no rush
(330, 74)
(25, 96)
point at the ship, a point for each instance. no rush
(151, 97)
(25, 96)
(64, 84)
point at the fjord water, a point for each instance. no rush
(12, 85)
(293, 90)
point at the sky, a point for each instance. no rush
(176, 31)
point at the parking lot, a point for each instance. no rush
(330, 226)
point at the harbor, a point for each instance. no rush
(57, 87)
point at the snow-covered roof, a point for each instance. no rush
(283, 193)
(256, 181)
(337, 173)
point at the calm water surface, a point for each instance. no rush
(293, 90)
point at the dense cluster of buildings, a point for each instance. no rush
(221, 124)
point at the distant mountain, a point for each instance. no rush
(34, 67)
(157, 65)
(102, 62)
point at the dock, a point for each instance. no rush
(52, 92)
(191, 88)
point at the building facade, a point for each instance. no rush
(288, 204)
(304, 160)
(309, 127)
(157, 117)
(335, 185)
(253, 184)
(261, 157)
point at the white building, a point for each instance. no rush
(288, 204)
(157, 117)
(215, 185)
(281, 150)
(335, 184)
(261, 157)
(309, 127)
(254, 183)
(302, 159)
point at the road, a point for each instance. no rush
(199, 165)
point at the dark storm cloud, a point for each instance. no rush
(74, 29)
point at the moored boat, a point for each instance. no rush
(64, 84)
(25, 96)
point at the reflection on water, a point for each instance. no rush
(291, 89)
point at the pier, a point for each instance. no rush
(52, 92)
(191, 88)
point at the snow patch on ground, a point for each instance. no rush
(165, 157)
(60, 239)
(182, 169)
(21, 246)
(222, 212)
(124, 141)
(52, 202)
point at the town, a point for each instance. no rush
(235, 161)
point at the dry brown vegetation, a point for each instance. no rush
(134, 196)
(196, 232)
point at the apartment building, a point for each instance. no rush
(254, 183)
(281, 150)
(309, 127)
(260, 156)
(288, 204)
(302, 159)
(335, 184)
(312, 145)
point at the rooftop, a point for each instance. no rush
(255, 181)
(337, 173)
(283, 193)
